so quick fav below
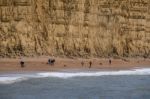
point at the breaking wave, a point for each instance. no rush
(12, 78)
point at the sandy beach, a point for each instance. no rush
(40, 64)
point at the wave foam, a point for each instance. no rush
(7, 79)
(100, 73)
(10, 80)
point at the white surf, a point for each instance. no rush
(12, 78)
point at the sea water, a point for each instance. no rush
(124, 84)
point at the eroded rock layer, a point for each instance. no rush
(75, 27)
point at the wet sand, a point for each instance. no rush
(40, 64)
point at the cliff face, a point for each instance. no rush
(75, 27)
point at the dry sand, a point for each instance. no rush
(40, 64)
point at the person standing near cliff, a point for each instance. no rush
(90, 63)
(22, 63)
(82, 63)
(110, 61)
(49, 61)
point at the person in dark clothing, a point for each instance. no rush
(90, 64)
(110, 61)
(51, 61)
(22, 63)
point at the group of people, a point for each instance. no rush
(50, 62)
(90, 63)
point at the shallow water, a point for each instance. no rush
(79, 87)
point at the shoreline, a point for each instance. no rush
(66, 64)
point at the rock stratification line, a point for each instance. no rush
(75, 27)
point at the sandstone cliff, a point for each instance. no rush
(75, 27)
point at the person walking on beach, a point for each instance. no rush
(110, 61)
(82, 63)
(22, 63)
(90, 64)
(51, 61)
